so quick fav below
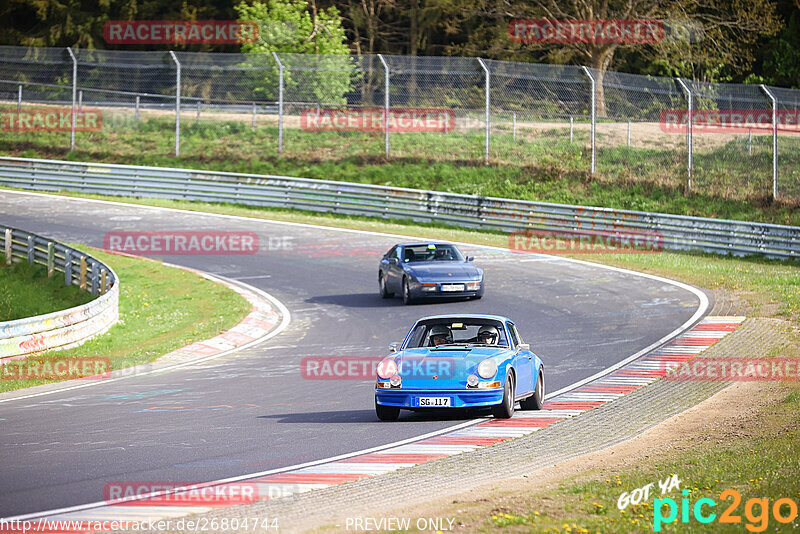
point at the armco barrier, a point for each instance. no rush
(677, 232)
(61, 329)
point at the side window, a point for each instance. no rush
(391, 253)
(514, 335)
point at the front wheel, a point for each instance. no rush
(386, 413)
(385, 293)
(535, 401)
(406, 292)
(505, 409)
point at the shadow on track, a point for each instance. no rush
(368, 416)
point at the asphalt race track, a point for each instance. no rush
(253, 411)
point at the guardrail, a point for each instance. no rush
(676, 232)
(66, 328)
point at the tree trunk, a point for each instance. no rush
(600, 59)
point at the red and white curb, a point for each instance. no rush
(262, 319)
(622, 381)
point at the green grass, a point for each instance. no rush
(161, 309)
(538, 166)
(27, 291)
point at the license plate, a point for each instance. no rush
(452, 287)
(434, 402)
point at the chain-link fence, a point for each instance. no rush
(742, 138)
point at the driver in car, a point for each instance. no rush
(440, 335)
(488, 334)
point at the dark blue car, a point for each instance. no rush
(460, 361)
(428, 270)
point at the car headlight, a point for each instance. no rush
(387, 368)
(472, 381)
(395, 381)
(473, 286)
(487, 368)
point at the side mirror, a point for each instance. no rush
(393, 260)
(393, 347)
(470, 258)
(524, 346)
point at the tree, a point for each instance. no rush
(313, 46)
(729, 30)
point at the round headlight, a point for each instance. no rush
(472, 381)
(394, 381)
(487, 368)
(387, 368)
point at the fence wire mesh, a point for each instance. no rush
(413, 110)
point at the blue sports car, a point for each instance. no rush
(460, 361)
(423, 270)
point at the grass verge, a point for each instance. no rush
(161, 309)
(27, 291)
(542, 165)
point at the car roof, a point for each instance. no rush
(466, 316)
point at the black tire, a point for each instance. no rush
(505, 410)
(382, 285)
(535, 401)
(406, 295)
(387, 413)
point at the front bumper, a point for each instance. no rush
(417, 290)
(459, 398)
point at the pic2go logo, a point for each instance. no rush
(756, 511)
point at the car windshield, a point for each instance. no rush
(451, 332)
(431, 252)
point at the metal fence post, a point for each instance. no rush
(280, 103)
(514, 126)
(51, 258)
(67, 268)
(19, 100)
(136, 111)
(488, 117)
(385, 105)
(74, 90)
(9, 242)
(689, 126)
(177, 103)
(774, 140)
(252, 124)
(594, 112)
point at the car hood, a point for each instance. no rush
(450, 367)
(444, 269)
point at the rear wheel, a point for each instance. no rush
(535, 401)
(386, 413)
(385, 293)
(406, 293)
(505, 409)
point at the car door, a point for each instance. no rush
(523, 362)
(394, 271)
